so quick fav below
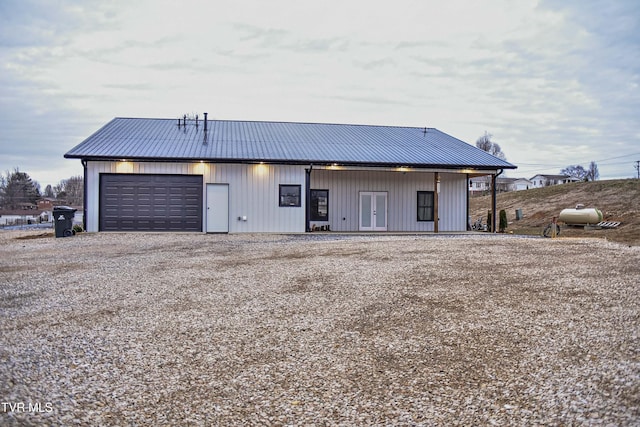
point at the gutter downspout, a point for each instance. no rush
(494, 178)
(436, 213)
(468, 218)
(84, 195)
(307, 210)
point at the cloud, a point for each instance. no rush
(130, 86)
(377, 100)
(266, 37)
(377, 63)
(32, 23)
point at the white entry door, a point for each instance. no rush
(217, 208)
(373, 211)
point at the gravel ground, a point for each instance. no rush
(193, 329)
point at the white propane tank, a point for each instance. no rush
(580, 216)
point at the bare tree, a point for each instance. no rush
(71, 190)
(593, 174)
(3, 186)
(576, 171)
(48, 192)
(485, 144)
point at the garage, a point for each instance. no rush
(135, 202)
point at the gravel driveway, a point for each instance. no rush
(194, 329)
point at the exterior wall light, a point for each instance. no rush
(201, 168)
(124, 166)
(261, 169)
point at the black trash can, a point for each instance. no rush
(63, 219)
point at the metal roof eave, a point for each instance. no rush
(471, 169)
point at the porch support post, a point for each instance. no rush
(468, 217)
(436, 188)
(307, 195)
(493, 203)
(84, 195)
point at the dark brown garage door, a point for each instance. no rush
(150, 202)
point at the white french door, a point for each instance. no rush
(373, 211)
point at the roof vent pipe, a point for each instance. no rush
(184, 118)
(196, 120)
(205, 121)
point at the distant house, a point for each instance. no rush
(21, 217)
(539, 181)
(479, 185)
(513, 184)
(482, 185)
(225, 176)
(504, 185)
(46, 204)
(32, 215)
(521, 184)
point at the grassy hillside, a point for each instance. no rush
(619, 200)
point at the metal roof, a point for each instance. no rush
(281, 142)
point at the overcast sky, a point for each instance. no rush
(555, 82)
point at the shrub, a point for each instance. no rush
(78, 228)
(503, 221)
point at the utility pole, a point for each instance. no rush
(637, 166)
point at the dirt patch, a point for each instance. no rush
(35, 236)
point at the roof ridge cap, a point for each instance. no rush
(285, 122)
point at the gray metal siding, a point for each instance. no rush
(402, 188)
(453, 202)
(253, 192)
